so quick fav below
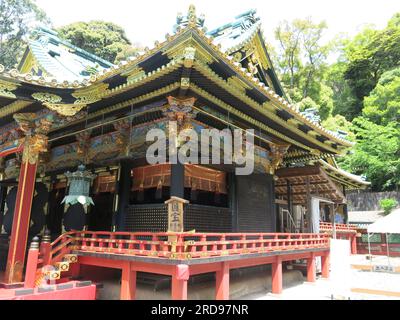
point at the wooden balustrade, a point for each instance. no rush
(183, 246)
(328, 227)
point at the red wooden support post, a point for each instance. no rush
(128, 282)
(222, 282)
(354, 244)
(45, 248)
(311, 271)
(277, 276)
(179, 282)
(35, 142)
(32, 262)
(325, 266)
(22, 214)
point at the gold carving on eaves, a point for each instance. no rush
(13, 107)
(185, 83)
(46, 97)
(91, 94)
(238, 84)
(6, 89)
(133, 74)
(52, 102)
(67, 110)
(189, 51)
(189, 54)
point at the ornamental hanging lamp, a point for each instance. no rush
(79, 187)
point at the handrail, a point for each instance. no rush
(327, 226)
(183, 245)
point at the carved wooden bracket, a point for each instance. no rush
(35, 131)
(181, 111)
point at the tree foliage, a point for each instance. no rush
(16, 17)
(388, 205)
(382, 106)
(104, 39)
(376, 154)
(302, 62)
(359, 93)
(369, 55)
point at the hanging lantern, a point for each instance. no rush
(79, 187)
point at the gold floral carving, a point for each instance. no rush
(67, 110)
(7, 88)
(46, 97)
(91, 94)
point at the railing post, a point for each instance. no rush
(45, 248)
(179, 282)
(311, 271)
(277, 276)
(32, 262)
(222, 282)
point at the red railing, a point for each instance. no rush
(340, 228)
(183, 245)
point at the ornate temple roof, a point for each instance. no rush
(48, 54)
(232, 36)
(237, 83)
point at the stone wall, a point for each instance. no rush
(369, 201)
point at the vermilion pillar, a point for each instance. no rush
(222, 282)
(179, 282)
(325, 266)
(35, 142)
(128, 282)
(20, 228)
(277, 276)
(311, 270)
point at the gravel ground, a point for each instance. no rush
(323, 289)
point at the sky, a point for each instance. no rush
(146, 21)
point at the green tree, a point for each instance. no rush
(301, 59)
(104, 39)
(388, 205)
(15, 18)
(376, 154)
(343, 98)
(289, 36)
(314, 55)
(382, 106)
(370, 54)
